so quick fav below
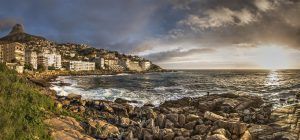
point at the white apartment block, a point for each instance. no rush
(54, 60)
(81, 66)
(42, 59)
(31, 58)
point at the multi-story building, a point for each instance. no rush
(80, 66)
(99, 62)
(54, 60)
(31, 58)
(13, 53)
(42, 59)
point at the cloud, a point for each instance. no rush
(7, 23)
(177, 53)
(219, 17)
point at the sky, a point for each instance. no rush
(175, 34)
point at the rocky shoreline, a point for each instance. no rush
(214, 117)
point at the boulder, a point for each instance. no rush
(66, 128)
(73, 96)
(106, 107)
(121, 101)
(234, 127)
(181, 119)
(160, 120)
(212, 116)
(201, 129)
(196, 137)
(190, 125)
(172, 117)
(128, 136)
(180, 138)
(102, 129)
(169, 124)
(216, 137)
(246, 136)
(191, 117)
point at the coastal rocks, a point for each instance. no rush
(212, 116)
(237, 128)
(66, 128)
(216, 137)
(102, 129)
(73, 96)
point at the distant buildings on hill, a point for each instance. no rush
(50, 57)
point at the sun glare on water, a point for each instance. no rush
(272, 57)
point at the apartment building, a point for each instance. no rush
(54, 60)
(80, 66)
(13, 53)
(1, 55)
(42, 59)
(31, 58)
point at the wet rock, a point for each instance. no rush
(169, 124)
(192, 117)
(119, 110)
(106, 107)
(201, 129)
(150, 123)
(160, 120)
(212, 116)
(73, 96)
(121, 101)
(172, 117)
(181, 119)
(190, 125)
(216, 137)
(234, 127)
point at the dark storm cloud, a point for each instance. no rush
(177, 53)
(106, 23)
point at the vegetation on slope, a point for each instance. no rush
(22, 108)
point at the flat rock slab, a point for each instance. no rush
(66, 128)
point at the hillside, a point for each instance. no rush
(17, 34)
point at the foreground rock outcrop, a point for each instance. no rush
(215, 117)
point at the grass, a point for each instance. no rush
(22, 108)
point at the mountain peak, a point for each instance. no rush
(18, 28)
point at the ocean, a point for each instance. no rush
(275, 86)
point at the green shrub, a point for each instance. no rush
(22, 108)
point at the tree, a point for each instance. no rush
(41, 67)
(28, 66)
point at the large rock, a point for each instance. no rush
(160, 120)
(181, 119)
(216, 137)
(246, 136)
(192, 117)
(73, 96)
(172, 117)
(212, 116)
(234, 127)
(102, 129)
(66, 128)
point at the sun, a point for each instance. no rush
(272, 57)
